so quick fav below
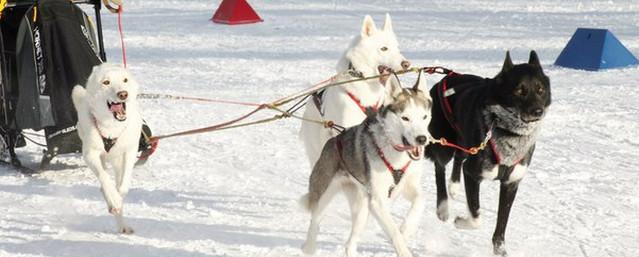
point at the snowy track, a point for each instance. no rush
(234, 193)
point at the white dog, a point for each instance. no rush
(109, 124)
(371, 53)
(371, 164)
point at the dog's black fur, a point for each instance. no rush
(512, 104)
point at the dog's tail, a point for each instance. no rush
(78, 95)
(305, 202)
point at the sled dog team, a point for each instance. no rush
(372, 162)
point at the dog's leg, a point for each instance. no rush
(113, 199)
(317, 211)
(127, 164)
(118, 164)
(358, 201)
(123, 228)
(455, 176)
(111, 194)
(472, 200)
(442, 195)
(414, 194)
(123, 168)
(507, 193)
(379, 207)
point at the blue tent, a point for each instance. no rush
(594, 49)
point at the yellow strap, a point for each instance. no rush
(109, 7)
(35, 13)
(3, 3)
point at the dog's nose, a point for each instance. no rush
(123, 95)
(421, 140)
(405, 64)
(537, 112)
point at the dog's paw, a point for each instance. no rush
(499, 248)
(442, 211)
(454, 190)
(467, 223)
(309, 248)
(126, 230)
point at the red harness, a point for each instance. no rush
(443, 97)
(364, 109)
(396, 173)
(317, 100)
(443, 93)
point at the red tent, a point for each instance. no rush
(235, 12)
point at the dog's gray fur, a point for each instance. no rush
(364, 178)
(513, 136)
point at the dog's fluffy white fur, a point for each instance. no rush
(369, 50)
(107, 108)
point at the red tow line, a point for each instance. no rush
(359, 103)
(120, 10)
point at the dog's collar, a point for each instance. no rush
(108, 142)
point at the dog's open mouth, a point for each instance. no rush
(118, 110)
(385, 72)
(414, 152)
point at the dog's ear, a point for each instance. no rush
(508, 63)
(420, 84)
(534, 60)
(394, 86)
(368, 27)
(388, 24)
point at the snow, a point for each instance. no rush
(234, 193)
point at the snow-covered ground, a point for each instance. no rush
(234, 193)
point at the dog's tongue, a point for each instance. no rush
(117, 107)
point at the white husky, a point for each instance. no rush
(109, 124)
(371, 164)
(370, 53)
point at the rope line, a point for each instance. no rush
(200, 99)
(303, 95)
(120, 10)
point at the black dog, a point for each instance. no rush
(504, 115)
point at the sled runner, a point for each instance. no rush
(48, 47)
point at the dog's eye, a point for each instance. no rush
(425, 116)
(405, 118)
(126, 80)
(384, 49)
(106, 82)
(519, 92)
(540, 90)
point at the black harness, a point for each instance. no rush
(108, 143)
(317, 96)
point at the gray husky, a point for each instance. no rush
(371, 164)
